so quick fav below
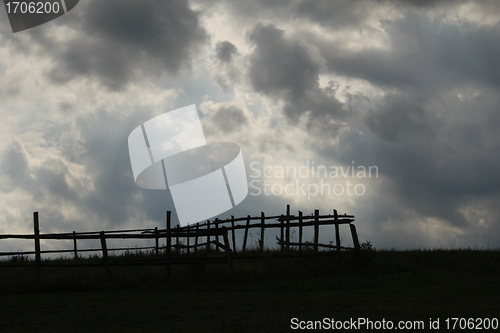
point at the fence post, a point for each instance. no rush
(262, 230)
(355, 239)
(216, 222)
(337, 231)
(196, 239)
(300, 231)
(157, 241)
(105, 253)
(246, 234)
(233, 233)
(169, 245)
(282, 233)
(188, 228)
(316, 230)
(75, 249)
(177, 248)
(208, 236)
(287, 229)
(227, 247)
(38, 257)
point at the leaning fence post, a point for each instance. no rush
(355, 239)
(105, 253)
(38, 258)
(246, 234)
(337, 231)
(233, 233)
(227, 247)
(169, 245)
(316, 230)
(75, 249)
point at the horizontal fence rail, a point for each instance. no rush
(209, 236)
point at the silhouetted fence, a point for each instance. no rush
(188, 240)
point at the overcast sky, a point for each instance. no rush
(410, 87)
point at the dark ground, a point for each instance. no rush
(258, 296)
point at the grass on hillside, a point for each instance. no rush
(256, 295)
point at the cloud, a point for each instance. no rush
(426, 115)
(335, 14)
(435, 157)
(225, 51)
(73, 166)
(421, 53)
(408, 86)
(285, 69)
(279, 66)
(400, 117)
(15, 162)
(118, 42)
(230, 118)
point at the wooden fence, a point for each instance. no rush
(186, 240)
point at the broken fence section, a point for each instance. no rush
(182, 244)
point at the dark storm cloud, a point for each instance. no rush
(435, 149)
(399, 117)
(117, 41)
(15, 162)
(434, 159)
(423, 53)
(229, 119)
(434, 132)
(336, 14)
(348, 13)
(279, 66)
(434, 164)
(427, 3)
(261, 9)
(225, 51)
(284, 69)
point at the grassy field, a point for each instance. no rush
(256, 296)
